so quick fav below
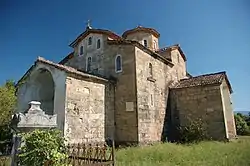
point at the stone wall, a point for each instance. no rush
(152, 94)
(89, 110)
(201, 102)
(228, 110)
(103, 59)
(79, 61)
(125, 92)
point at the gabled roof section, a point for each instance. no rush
(97, 31)
(141, 29)
(68, 57)
(206, 79)
(173, 47)
(145, 49)
(67, 69)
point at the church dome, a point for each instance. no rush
(141, 29)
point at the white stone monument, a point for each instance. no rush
(36, 118)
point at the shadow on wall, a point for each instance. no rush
(109, 122)
(171, 120)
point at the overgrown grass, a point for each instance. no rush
(4, 161)
(235, 153)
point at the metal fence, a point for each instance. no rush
(89, 155)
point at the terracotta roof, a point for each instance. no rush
(206, 79)
(98, 31)
(67, 69)
(137, 44)
(141, 29)
(173, 47)
(68, 57)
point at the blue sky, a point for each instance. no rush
(215, 35)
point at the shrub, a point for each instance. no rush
(7, 102)
(241, 125)
(193, 132)
(5, 139)
(40, 146)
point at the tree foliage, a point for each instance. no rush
(40, 146)
(242, 123)
(7, 102)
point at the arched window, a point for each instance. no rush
(88, 64)
(90, 41)
(98, 44)
(145, 43)
(118, 63)
(81, 50)
(150, 69)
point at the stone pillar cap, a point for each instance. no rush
(35, 103)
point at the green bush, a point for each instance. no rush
(40, 146)
(241, 125)
(7, 102)
(193, 132)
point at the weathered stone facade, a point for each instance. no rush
(228, 110)
(203, 102)
(89, 110)
(153, 92)
(127, 89)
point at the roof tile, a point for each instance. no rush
(206, 79)
(140, 28)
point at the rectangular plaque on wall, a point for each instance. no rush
(129, 106)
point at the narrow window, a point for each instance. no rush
(177, 74)
(145, 42)
(178, 57)
(150, 70)
(151, 99)
(90, 41)
(81, 50)
(98, 44)
(118, 63)
(155, 46)
(89, 60)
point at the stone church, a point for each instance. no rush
(126, 88)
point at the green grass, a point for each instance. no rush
(4, 161)
(236, 153)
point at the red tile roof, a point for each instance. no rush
(206, 79)
(141, 29)
(137, 44)
(98, 31)
(173, 47)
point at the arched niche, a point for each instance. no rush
(43, 89)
